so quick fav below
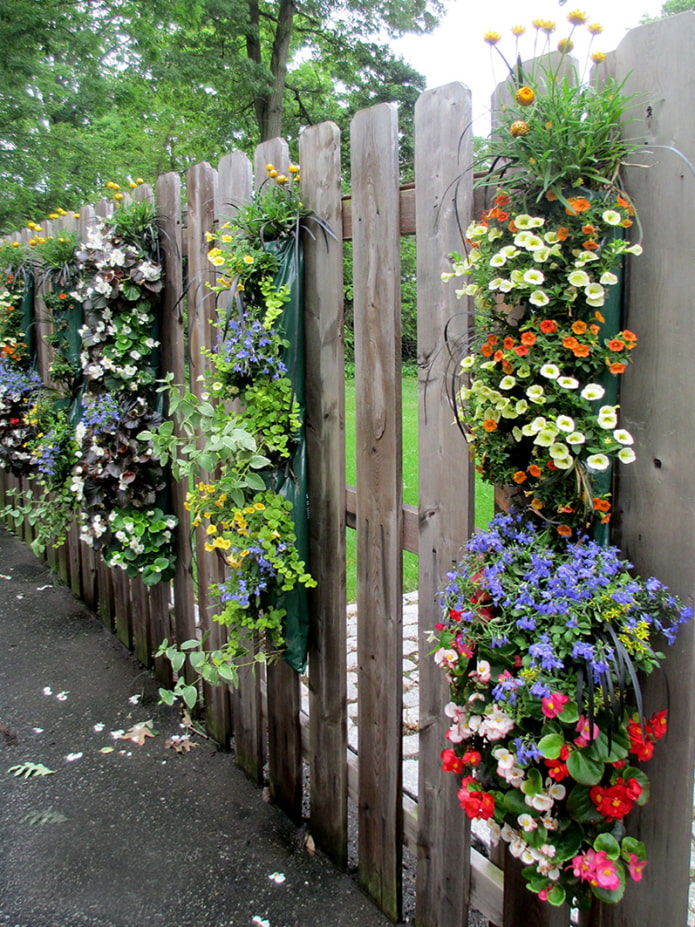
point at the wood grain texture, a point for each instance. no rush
(376, 273)
(284, 732)
(656, 502)
(202, 214)
(445, 484)
(319, 153)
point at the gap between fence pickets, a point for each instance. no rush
(487, 880)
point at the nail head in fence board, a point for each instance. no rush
(656, 504)
(284, 732)
(173, 339)
(376, 262)
(235, 187)
(319, 156)
(202, 212)
(445, 484)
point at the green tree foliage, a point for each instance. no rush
(94, 89)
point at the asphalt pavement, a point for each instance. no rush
(111, 813)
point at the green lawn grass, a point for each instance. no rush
(483, 494)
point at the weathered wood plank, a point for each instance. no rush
(411, 522)
(121, 607)
(656, 504)
(407, 222)
(319, 152)
(202, 212)
(173, 345)
(235, 178)
(138, 606)
(284, 733)
(376, 262)
(445, 490)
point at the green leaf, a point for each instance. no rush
(167, 696)
(533, 784)
(557, 895)
(30, 770)
(580, 806)
(583, 770)
(190, 644)
(177, 661)
(569, 713)
(608, 844)
(612, 897)
(551, 745)
(514, 802)
(189, 695)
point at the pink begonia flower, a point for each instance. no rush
(481, 672)
(446, 657)
(552, 705)
(636, 865)
(595, 868)
(585, 735)
(496, 724)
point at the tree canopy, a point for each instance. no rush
(92, 90)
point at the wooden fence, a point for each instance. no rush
(656, 503)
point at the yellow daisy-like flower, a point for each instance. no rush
(53, 215)
(518, 30)
(598, 57)
(76, 215)
(293, 169)
(118, 196)
(248, 259)
(132, 184)
(548, 26)
(211, 529)
(270, 167)
(282, 178)
(538, 23)
(524, 96)
(577, 18)
(216, 257)
(139, 180)
(565, 45)
(595, 28)
(112, 186)
(519, 128)
(492, 38)
(272, 172)
(259, 507)
(61, 212)
(227, 238)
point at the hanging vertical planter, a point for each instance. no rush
(245, 447)
(544, 628)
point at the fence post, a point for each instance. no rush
(443, 186)
(656, 505)
(376, 262)
(319, 149)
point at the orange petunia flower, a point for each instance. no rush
(601, 505)
(502, 199)
(569, 342)
(590, 245)
(498, 356)
(512, 227)
(489, 425)
(564, 531)
(615, 344)
(588, 230)
(519, 477)
(594, 329)
(576, 205)
(508, 343)
(521, 350)
(492, 339)
(486, 350)
(507, 367)
(551, 196)
(617, 368)
(548, 327)
(579, 327)
(529, 339)
(562, 233)
(581, 350)
(598, 316)
(534, 471)
(628, 335)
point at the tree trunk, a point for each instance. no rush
(269, 104)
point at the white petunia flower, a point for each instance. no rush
(611, 217)
(538, 298)
(565, 423)
(626, 455)
(597, 462)
(592, 392)
(576, 438)
(567, 382)
(579, 278)
(607, 417)
(534, 277)
(550, 371)
(623, 437)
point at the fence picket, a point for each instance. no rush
(284, 731)
(235, 179)
(202, 212)
(319, 155)
(445, 493)
(376, 274)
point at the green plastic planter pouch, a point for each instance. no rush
(291, 481)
